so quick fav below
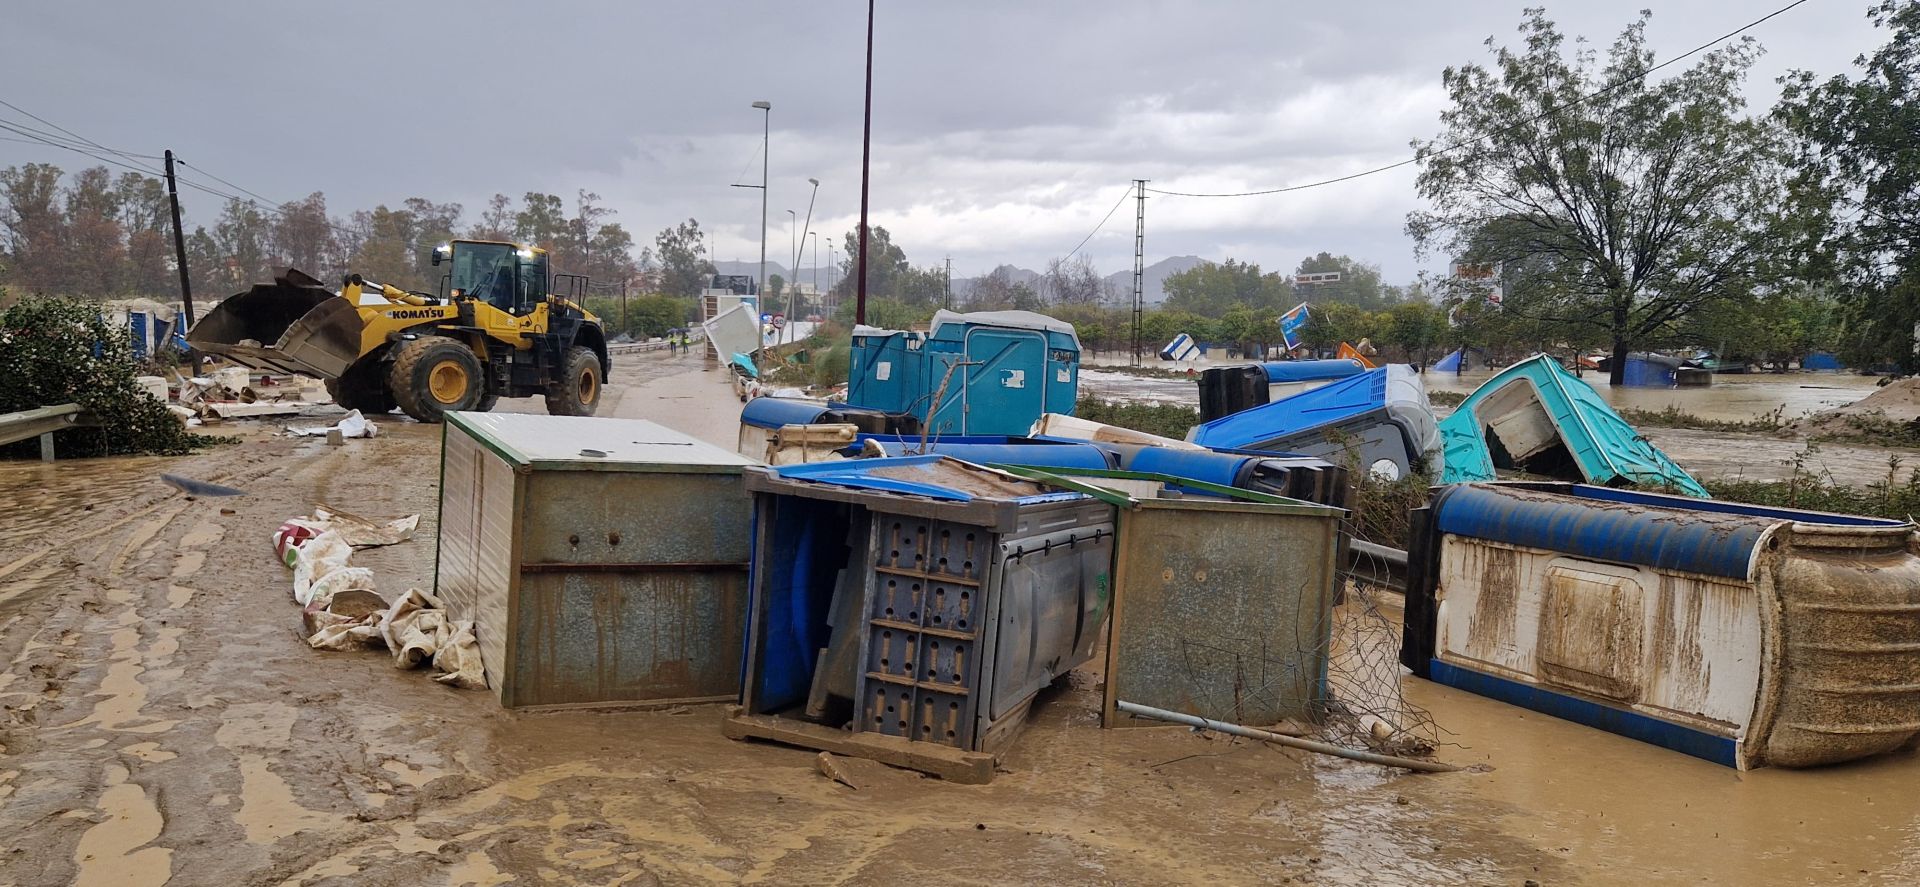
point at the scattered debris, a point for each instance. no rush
(351, 425)
(199, 487)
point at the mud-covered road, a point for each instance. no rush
(163, 722)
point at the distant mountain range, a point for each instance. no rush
(1153, 278)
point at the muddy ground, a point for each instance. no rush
(164, 723)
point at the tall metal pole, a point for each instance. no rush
(793, 294)
(766, 142)
(816, 264)
(793, 253)
(1139, 262)
(866, 158)
(180, 247)
(946, 287)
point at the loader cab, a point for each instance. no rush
(508, 276)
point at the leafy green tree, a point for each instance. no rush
(887, 268)
(1858, 180)
(682, 253)
(1648, 197)
(1416, 328)
(1359, 283)
(1213, 289)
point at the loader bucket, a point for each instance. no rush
(293, 325)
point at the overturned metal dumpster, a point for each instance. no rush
(1223, 598)
(909, 609)
(1744, 635)
(603, 561)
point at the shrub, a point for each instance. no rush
(59, 350)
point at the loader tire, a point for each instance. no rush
(435, 375)
(362, 387)
(578, 390)
(486, 403)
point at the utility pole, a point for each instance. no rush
(1139, 261)
(180, 249)
(947, 301)
(866, 157)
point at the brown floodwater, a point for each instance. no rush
(1730, 397)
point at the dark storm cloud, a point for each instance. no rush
(1003, 130)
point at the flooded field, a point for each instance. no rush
(164, 722)
(1730, 397)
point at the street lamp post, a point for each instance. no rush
(816, 263)
(793, 250)
(766, 137)
(804, 231)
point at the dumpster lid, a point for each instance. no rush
(1020, 320)
(572, 441)
(933, 476)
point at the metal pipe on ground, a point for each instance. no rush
(1160, 714)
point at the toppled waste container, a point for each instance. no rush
(1233, 389)
(1223, 598)
(1379, 419)
(602, 561)
(909, 609)
(1745, 635)
(1536, 417)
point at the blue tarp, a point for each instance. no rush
(931, 476)
(1820, 360)
(1451, 363)
(1038, 455)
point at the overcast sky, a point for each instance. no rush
(1003, 131)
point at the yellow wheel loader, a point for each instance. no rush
(496, 329)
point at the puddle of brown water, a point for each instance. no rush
(114, 850)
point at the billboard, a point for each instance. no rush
(1321, 277)
(1290, 324)
(1482, 275)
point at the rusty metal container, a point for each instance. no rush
(603, 561)
(1223, 598)
(1741, 634)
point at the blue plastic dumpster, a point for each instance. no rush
(919, 597)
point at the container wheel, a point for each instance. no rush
(435, 375)
(577, 391)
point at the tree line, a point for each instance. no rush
(95, 235)
(1626, 208)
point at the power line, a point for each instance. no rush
(1612, 87)
(222, 181)
(77, 135)
(1103, 222)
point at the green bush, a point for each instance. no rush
(60, 350)
(1166, 420)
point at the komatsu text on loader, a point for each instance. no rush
(496, 329)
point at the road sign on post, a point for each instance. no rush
(779, 321)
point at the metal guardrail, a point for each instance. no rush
(1377, 565)
(637, 347)
(41, 423)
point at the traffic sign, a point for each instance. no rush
(779, 321)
